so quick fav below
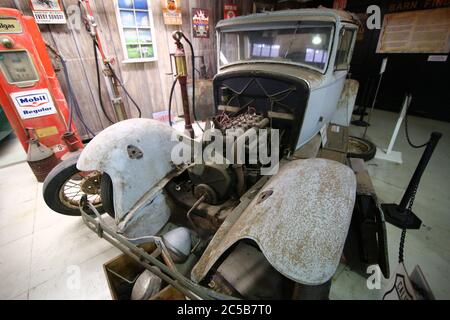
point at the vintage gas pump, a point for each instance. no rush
(30, 93)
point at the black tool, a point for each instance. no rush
(401, 215)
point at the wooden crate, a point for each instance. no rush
(121, 273)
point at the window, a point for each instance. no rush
(306, 45)
(136, 30)
(344, 53)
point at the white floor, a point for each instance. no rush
(43, 254)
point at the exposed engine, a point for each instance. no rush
(208, 190)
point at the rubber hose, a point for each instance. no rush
(99, 86)
(138, 108)
(193, 79)
(172, 91)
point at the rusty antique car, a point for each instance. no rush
(221, 230)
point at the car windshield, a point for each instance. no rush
(307, 45)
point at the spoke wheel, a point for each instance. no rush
(66, 185)
(77, 186)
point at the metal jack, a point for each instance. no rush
(182, 74)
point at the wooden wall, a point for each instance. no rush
(149, 83)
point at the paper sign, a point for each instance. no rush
(48, 11)
(200, 23)
(172, 12)
(33, 104)
(230, 11)
(400, 286)
(439, 58)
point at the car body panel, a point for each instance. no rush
(133, 177)
(299, 220)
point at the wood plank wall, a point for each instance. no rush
(149, 83)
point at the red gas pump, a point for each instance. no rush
(30, 93)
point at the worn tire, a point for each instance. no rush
(107, 195)
(55, 181)
(361, 149)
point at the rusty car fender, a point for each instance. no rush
(299, 220)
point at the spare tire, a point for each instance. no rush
(361, 149)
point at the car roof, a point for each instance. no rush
(319, 14)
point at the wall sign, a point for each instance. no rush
(33, 104)
(172, 12)
(230, 11)
(200, 23)
(407, 5)
(48, 11)
(423, 31)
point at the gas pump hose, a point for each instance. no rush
(113, 73)
(99, 84)
(72, 101)
(191, 47)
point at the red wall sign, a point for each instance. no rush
(230, 11)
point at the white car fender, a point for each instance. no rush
(136, 155)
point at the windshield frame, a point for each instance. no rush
(310, 24)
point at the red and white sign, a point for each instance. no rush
(48, 11)
(230, 11)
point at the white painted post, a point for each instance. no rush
(389, 154)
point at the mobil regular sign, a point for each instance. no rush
(33, 104)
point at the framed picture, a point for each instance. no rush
(48, 11)
(200, 23)
(172, 12)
